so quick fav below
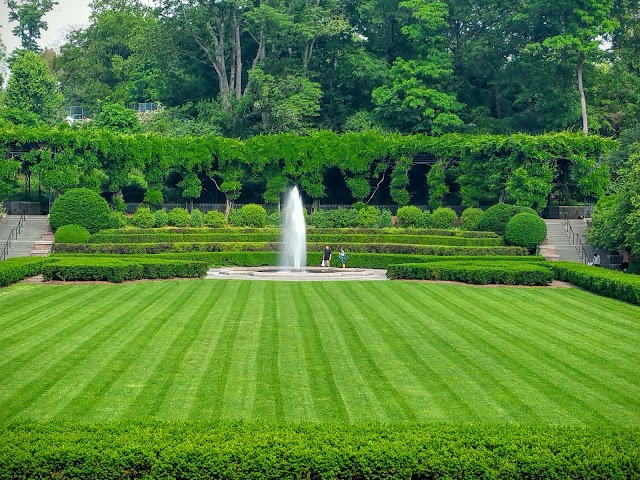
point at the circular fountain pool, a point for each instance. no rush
(309, 274)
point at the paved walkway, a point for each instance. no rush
(310, 274)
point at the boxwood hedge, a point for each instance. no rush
(476, 272)
(15, 269)
(239, 450)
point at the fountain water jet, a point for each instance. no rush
(294, 233)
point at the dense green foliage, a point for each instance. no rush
(476, 272)
(179, 217)
(470, 217)
(80, 206)
(15, 269)
(253, 216)
(71, 233)
(408, 216)
(263, 450)
(443, 217)
(143, 218)
(525, 230)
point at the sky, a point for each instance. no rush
(64, 16)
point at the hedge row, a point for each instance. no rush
(150, 248)
(605, 282)
(348, 231)
(13, 270)
(240, 450)
(113, 269)
(333, 238)
(479, 273)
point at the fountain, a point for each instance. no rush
(293, 255)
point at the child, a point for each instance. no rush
(343, 257)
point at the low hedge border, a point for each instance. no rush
(475, 272)
(112, 269)
(324, 231)
(13, 270)
(238, 450)
(405, 249)
(602, 281)
(331, 239)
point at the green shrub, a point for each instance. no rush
(519, 209)
(254, 215)
(313, 450)
(143, 218)
(72, 234)
(424, 220)
(526, 230)
(443, 217)
(118, 204)
(197, 219)
(179, 217)
(338, 218)
(386, 218)
(80, 206)
(367, 217)
(470, 217)
(160, 218)
(273, 219)
(495, 218)
(408, 216)
(153, 196)
(476, 272)
(235, 217)
(215, 219)
(117, 220)
(13, 270)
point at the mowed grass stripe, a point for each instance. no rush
(25, 314)
(327, 398)
(97, 401)
(213, 382)
(552, 378)
(382, 382)
(54, 359)
(431, 359)
(592, 375)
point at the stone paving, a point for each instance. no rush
(310, 274)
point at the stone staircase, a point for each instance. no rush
(35, 237)
(558, 244)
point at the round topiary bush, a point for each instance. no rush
(214, 219)
(196, 218)
(254, 215)
(495, 218)
(367, 217)
(117, 220)
(161, 218)
(143, 218)
(526, 230)
(444, 217)
(408, 216)
(424, 220)
(80, 206)
(470, 217)
(72, 233)
(179, 217)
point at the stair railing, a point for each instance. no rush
(13, 235)
(575, 240)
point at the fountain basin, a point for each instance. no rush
(308, 274)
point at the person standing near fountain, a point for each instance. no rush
(326, 257)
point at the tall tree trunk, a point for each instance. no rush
(238, 60)
(583, 99)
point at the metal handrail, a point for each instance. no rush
(575, 238)
(15, 231)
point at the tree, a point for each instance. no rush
(32, 88)
(28, 14)
(115, 116)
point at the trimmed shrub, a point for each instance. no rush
(154, 196)
(470, 217)
(80, 206)
(235, 217)
(254, 215)
(475, 272)
(338, 218)
(178, 217)
(273, 219)
(214, 218)
(386, 218)
(408, 216)
(72, 234)
(367, 217)
(424, 220)
(117, 220)
(495, 218)
(197, 218)
(13, 270)
(143, 218)
(443, 217)
(526, 230)
(160, 218)
(519, 209)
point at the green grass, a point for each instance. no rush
(325, 351)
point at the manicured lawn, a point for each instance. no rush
(363, 351)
